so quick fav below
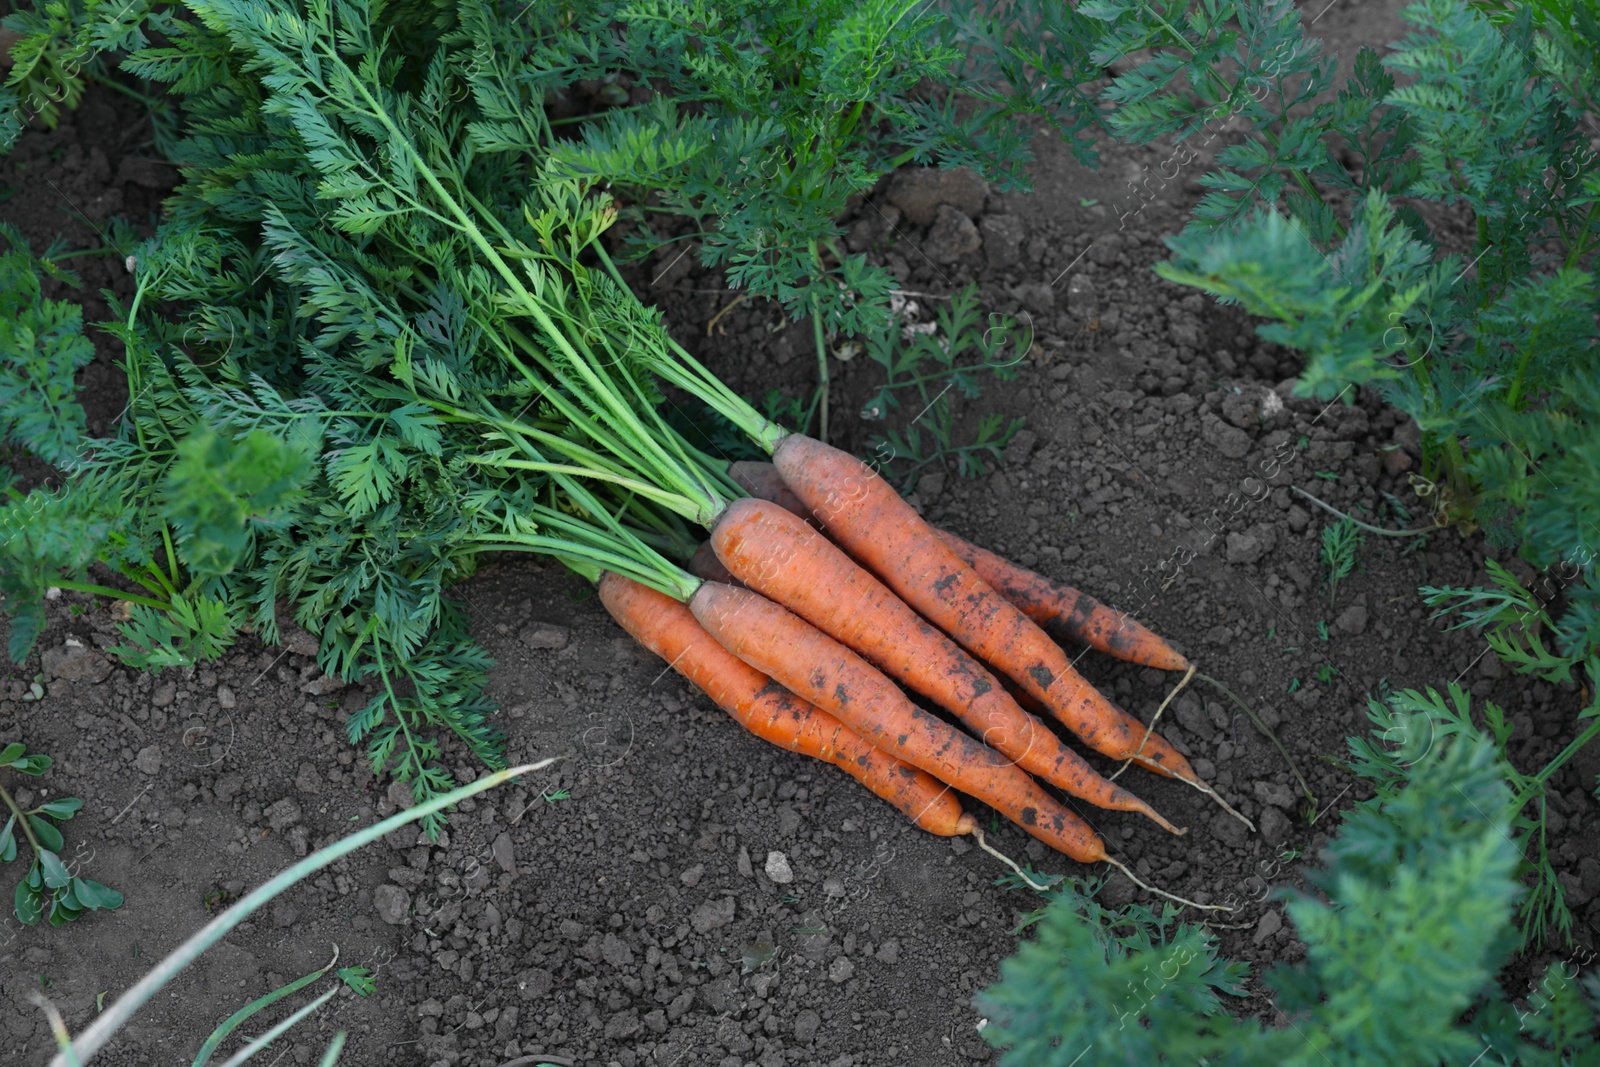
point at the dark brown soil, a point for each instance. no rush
(616, 909)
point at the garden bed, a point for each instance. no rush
(621, 907)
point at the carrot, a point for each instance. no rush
(780, 644)
(776, 554)
(667, 628)
(871, 521)
(1070, 612)
(792, 652)
(1076, 614)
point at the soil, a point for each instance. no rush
(618, 908)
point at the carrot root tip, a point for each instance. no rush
(977, 832)
(1162, 892)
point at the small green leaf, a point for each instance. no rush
(8, 841)
(12, 753)
(93, 895)
(47, 833)
(62, 809)
(359, 979)
(55, 872)
(28, 902)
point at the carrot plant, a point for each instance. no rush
(1406, 928)
(1428, 232)
(759, 122)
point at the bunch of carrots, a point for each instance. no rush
(818, 600)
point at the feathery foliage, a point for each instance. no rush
(1407, 929)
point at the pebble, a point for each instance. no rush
(283, 814)
(1352, 620)
(888, 952)
(841, 970)
(920, 191)
(952, 236)
(307, 780)
(806, 1024)
(1244, 548)
(712, 914)
(393, 904)
(164, 695)
(1274, 826)
(746, 870)
(692, 876)
(545, 635)
(1276, 794)
(148, 760)
(225, 697)
(1270, 924)
(504, 854)
(778, 868)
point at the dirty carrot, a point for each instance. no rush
(666, 627)
(786, 648)
(1073, 613)
(871, 521)
(1077, 614)
(773, 552)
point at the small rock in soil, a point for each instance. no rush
(545, 635)
(307, 780)
(321, 687)
(393, 904)
(297, 639)
(1229, 440)
(841, 970)
(778, 868)
(534, 983)
(504, 855)
(745, 869)
(164, 695)
(148, 760)
(1037, 297)
(615, 951)
(1270, 924)
(283, 814)
(1244, 548)
(712, 914)
(225, 697)
(692, 876)
(805, 1026)
(1002, 240)
(75, 662)
(1274, 826)
(921, 191)
(1275, 793)
(953, 235)
(1117, 891)
(1021, 447)
(1353, 620)
(888, 952)
(1228, 830)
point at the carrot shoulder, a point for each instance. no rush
(667, 628)
(814, 666)
(871, 521)
(773, 552)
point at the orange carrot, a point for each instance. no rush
(871, 521)
(776, 554)
(1074, 614)
(814, 666)
(667, 628)
(1077, 614)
